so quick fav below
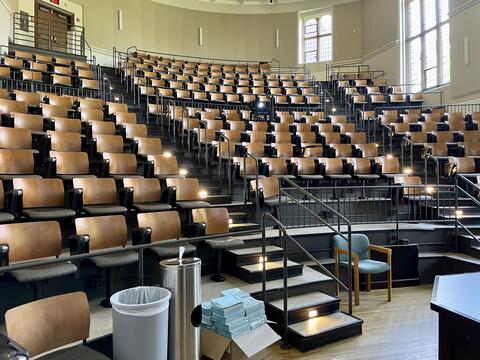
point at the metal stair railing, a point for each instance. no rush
(245, 185)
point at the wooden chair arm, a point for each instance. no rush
(383, 250)
(345, 252)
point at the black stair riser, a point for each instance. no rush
(314, 342)
(252, 259)
(274, 274)
(298, 315)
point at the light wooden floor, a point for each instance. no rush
(404, 329)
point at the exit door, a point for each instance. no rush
(52, 28)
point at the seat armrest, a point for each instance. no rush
(125, 197)
(261, 197)
(263, 169)
(9, 349)
(4, 252)
(75, 200)
(345, 252)
(380, 249)
(14, 202)
(348, 169)
(292, 169)
(104, 168)
(320, 169)
(148, 168)
(169, 195)
(50, 167)
(135, 147)
(79, 244)
(195, 230)
(141, 236)
(91, 145)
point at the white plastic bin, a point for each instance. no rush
(140, 323)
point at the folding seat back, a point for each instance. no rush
(39, 193)
(148, 146)
(214, 124)
(338, 119)
(90, 84)
(390, 164)
(456, 125)
(69, 163)
(281, 127)
(232, 116)
(3, 92)
(14, 138)
(86, 74)
(444, 136)
(331, 137)
(359, 99)
(65, 101)
(16, 162)
(284, 150)
(373, 90)
(283, 137)
(91, 114)
(109, 143)
(193, 86)
(247, 167)
(433, 117)
(471, 136)
(61, 80)
(307, 137)
(342, 150)
(347, 128)
(67, 125)
(187, 189)
(276, 166)
(311, 119)
(409, 118)
(10, 106)
(12, 63)
(287, 119)
(256, 149)
(62, 61)
(472, 148)
(165, 225)
(475, 116)
(438, 149)
(135, 130)
(465, 165)
(400, 128)
(49, 111)
(325, 127)
(104, 231)
(65, 141)
(410, 183)
(216, 220)
(27, 121)
(259, 125)
(368, 150)
(313, 151)
(297, 99)
(102, 127)
(258, 137)
(91, 104)
(361, 166)
(302, 127)
(99, 191)
(144, 190)
(113, 108)
(376, 99)
(357, 137)
(305, 166)
(35, 326)
(396, 98)
(29, 98)
(164, 164)
(417, 137)
(269, 186)
(416, 97)
(333, 166)
(200, 95)
(206, 135)
(234, 136)
(455, 116)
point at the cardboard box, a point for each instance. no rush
(249, 346)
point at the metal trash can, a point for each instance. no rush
(183, 279)
(140, 323)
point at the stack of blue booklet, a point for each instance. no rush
(233, 314)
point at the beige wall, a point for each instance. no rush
(347, 31)
(380, 24)
(175, 30)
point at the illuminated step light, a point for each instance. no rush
(459, 213)
(183, 172)
(389, 156)
(167, 154)
(260, 259)
(203, 194)
(230, 221)
(407, 171)
(334, 109)
(312, 313)
(429, 189)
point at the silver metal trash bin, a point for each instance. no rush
(183, 279)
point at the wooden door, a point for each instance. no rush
(52, 28)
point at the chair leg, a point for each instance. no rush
(369, 282)
(218, 277)
(356, 280)
(390, 285)
(337, 274)
(108, 288)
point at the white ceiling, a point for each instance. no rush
(252, 6)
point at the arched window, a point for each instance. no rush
(317, 39)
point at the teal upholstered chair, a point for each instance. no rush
(362, 264)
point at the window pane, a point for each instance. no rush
(445, 54)
(310, 28)
(326, 25)
(431, 78)
(429, 14)
(430, 50)
(414, 27)
(311, 57)
(311, 45)
(443, 4)
(326, 48)
(414, 65)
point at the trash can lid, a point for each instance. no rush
(175, 263)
